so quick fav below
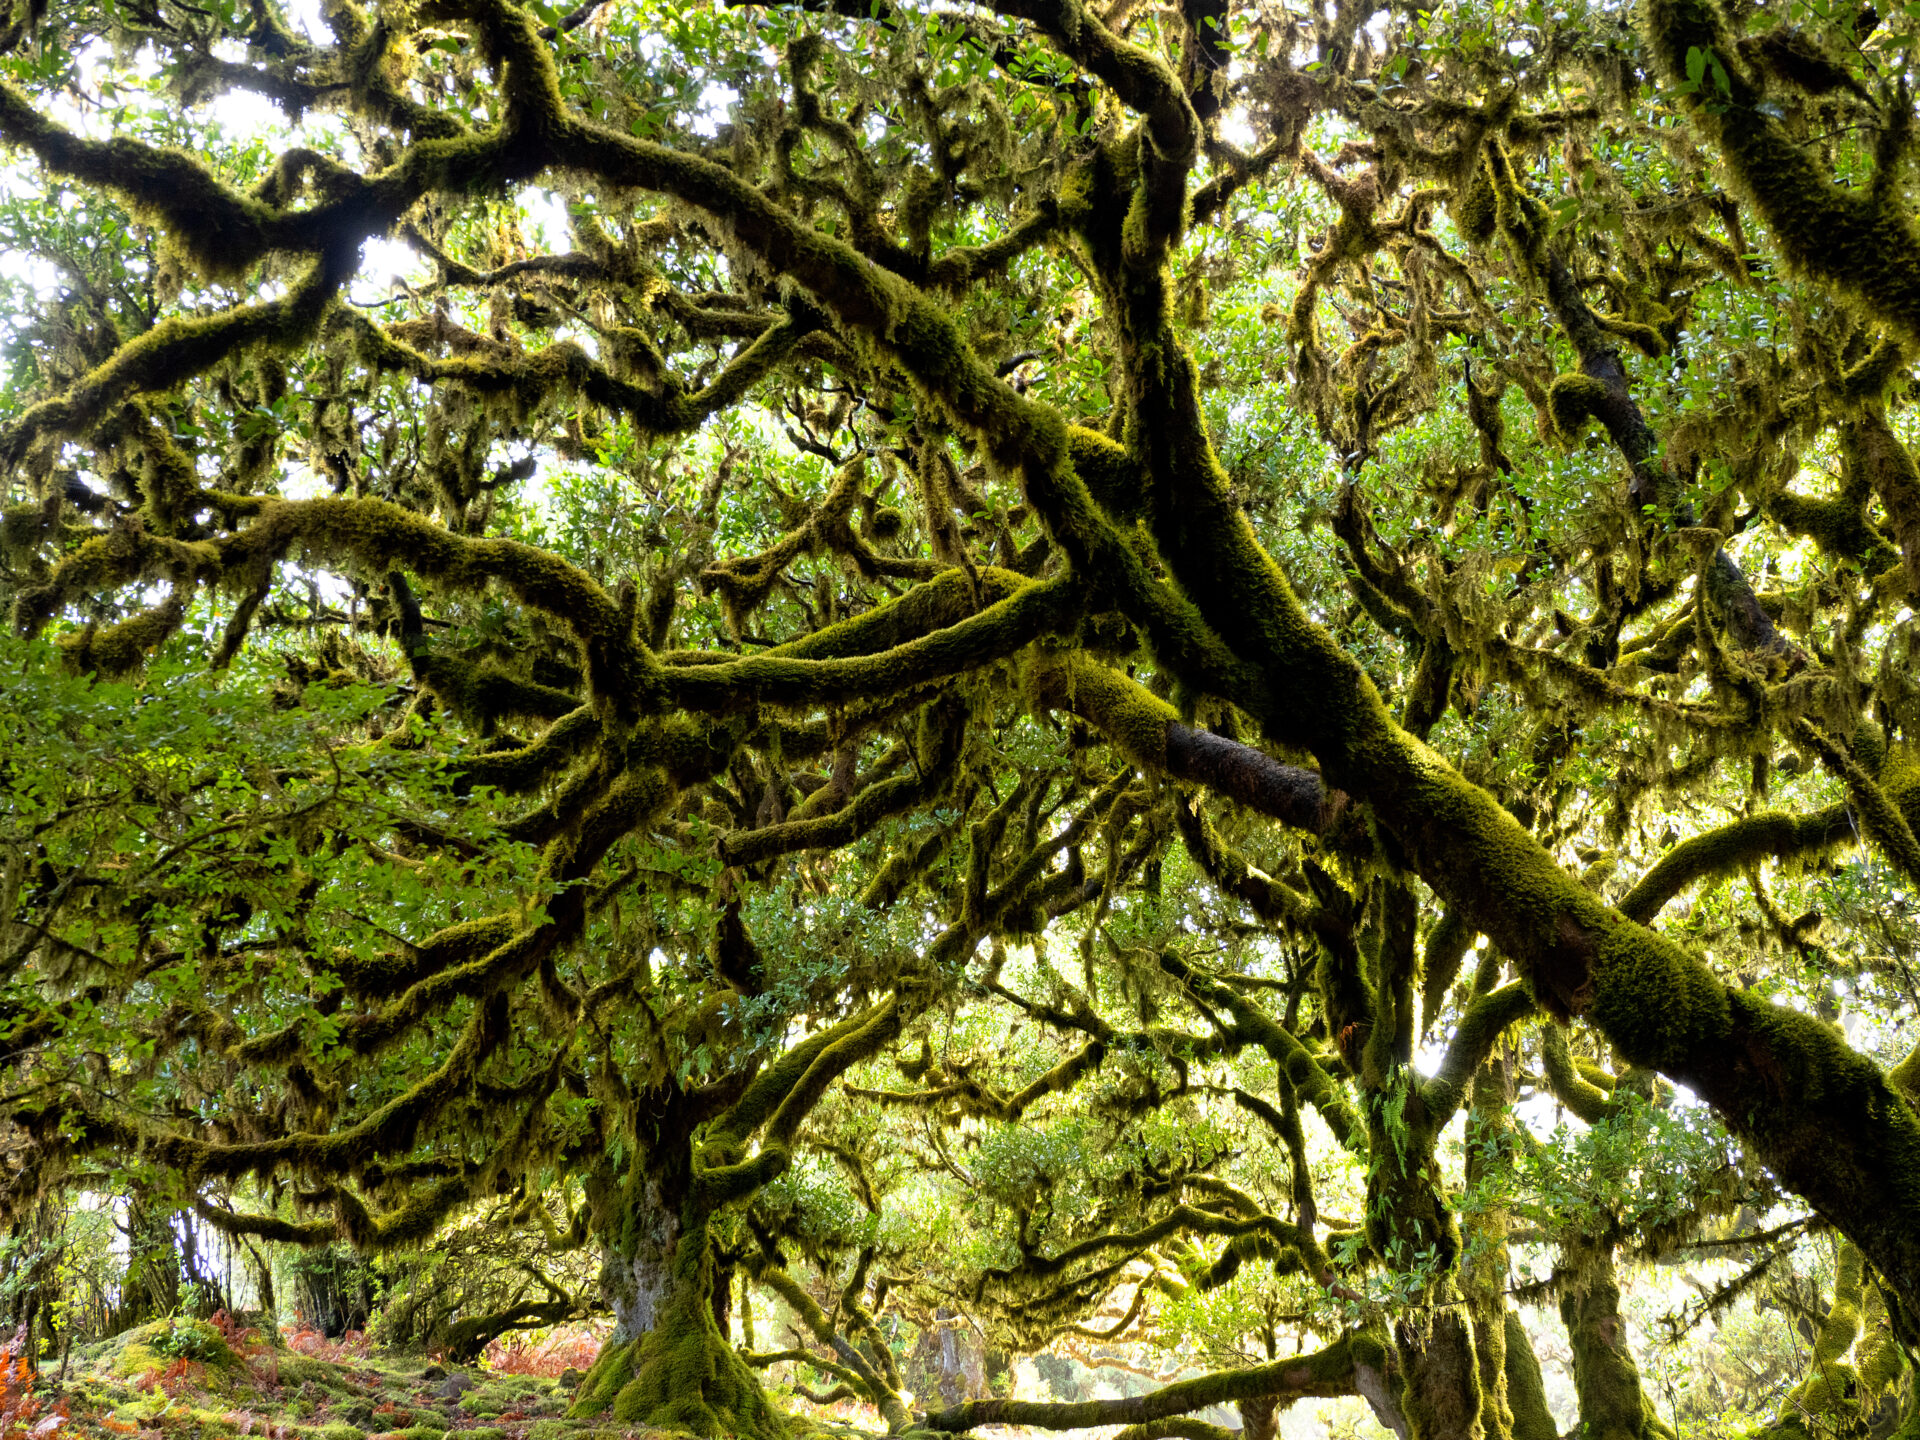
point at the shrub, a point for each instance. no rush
(546, 1353)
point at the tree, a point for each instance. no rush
(532, 734)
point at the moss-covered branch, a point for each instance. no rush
(1326, 1372)
(1861, 242)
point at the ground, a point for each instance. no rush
(184, 1379)
(189, 1380)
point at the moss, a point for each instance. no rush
(154, 1346)
(562, 1429)
(1441, 1389)
(1324, 1372)
(1613, 1404)
(1572, 400)
(1643, 337)
(339, 1430)
(303, 1369)
(1886, 466)
(612, 1369)
(1132, 717)
(1859, 241)
(1727, 849)
(687, 1377)
(1476, 214)
(1526, 1387)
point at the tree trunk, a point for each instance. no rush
(636, 1271)
(1526, 1387)
(1484, 1278)
(1408, 1217)
(1260, 1418)
(1606, 1379)
(668, 1365)
(1442, 1394)
(152, 1284)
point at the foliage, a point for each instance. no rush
(1217, 678)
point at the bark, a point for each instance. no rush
(1259, 1418)
(1442, 1393)
(668, 1364)
(1613, 1406)
(1331, 1371)
(681, 1373)
(636, 1273)
(1484, 1278)
(152, 1286)
(1408, 1219)
(1526, 1387)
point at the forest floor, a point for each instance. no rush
(184, 1379)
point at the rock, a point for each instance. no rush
(434, 1372)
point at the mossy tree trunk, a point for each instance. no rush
(636, 1269)
(669, 1365)
(1613, 1404)
(680, 1373)
(1441, 1393)
(1412, 1226)
(1526, 1386)
(152, 1286)
(1484, 1276)
(667, 1362)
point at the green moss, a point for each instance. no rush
(1644, 338)
(1526, 1387)
(302, 1369)
(1858, 240)
(1572, 400)
(156, 1345)
(1613, 1403)
(136, 1359)
(339, 1430)
(562, 1429)
(1476, 214)
(683, 1374)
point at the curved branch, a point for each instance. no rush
(1326, 1372)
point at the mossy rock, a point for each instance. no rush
(422, 1431)
(339, 1430)
(482, 1432)
(553, 1430)
(158, 1345)
(135, 1359)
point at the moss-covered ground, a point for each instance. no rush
(185, 1380)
